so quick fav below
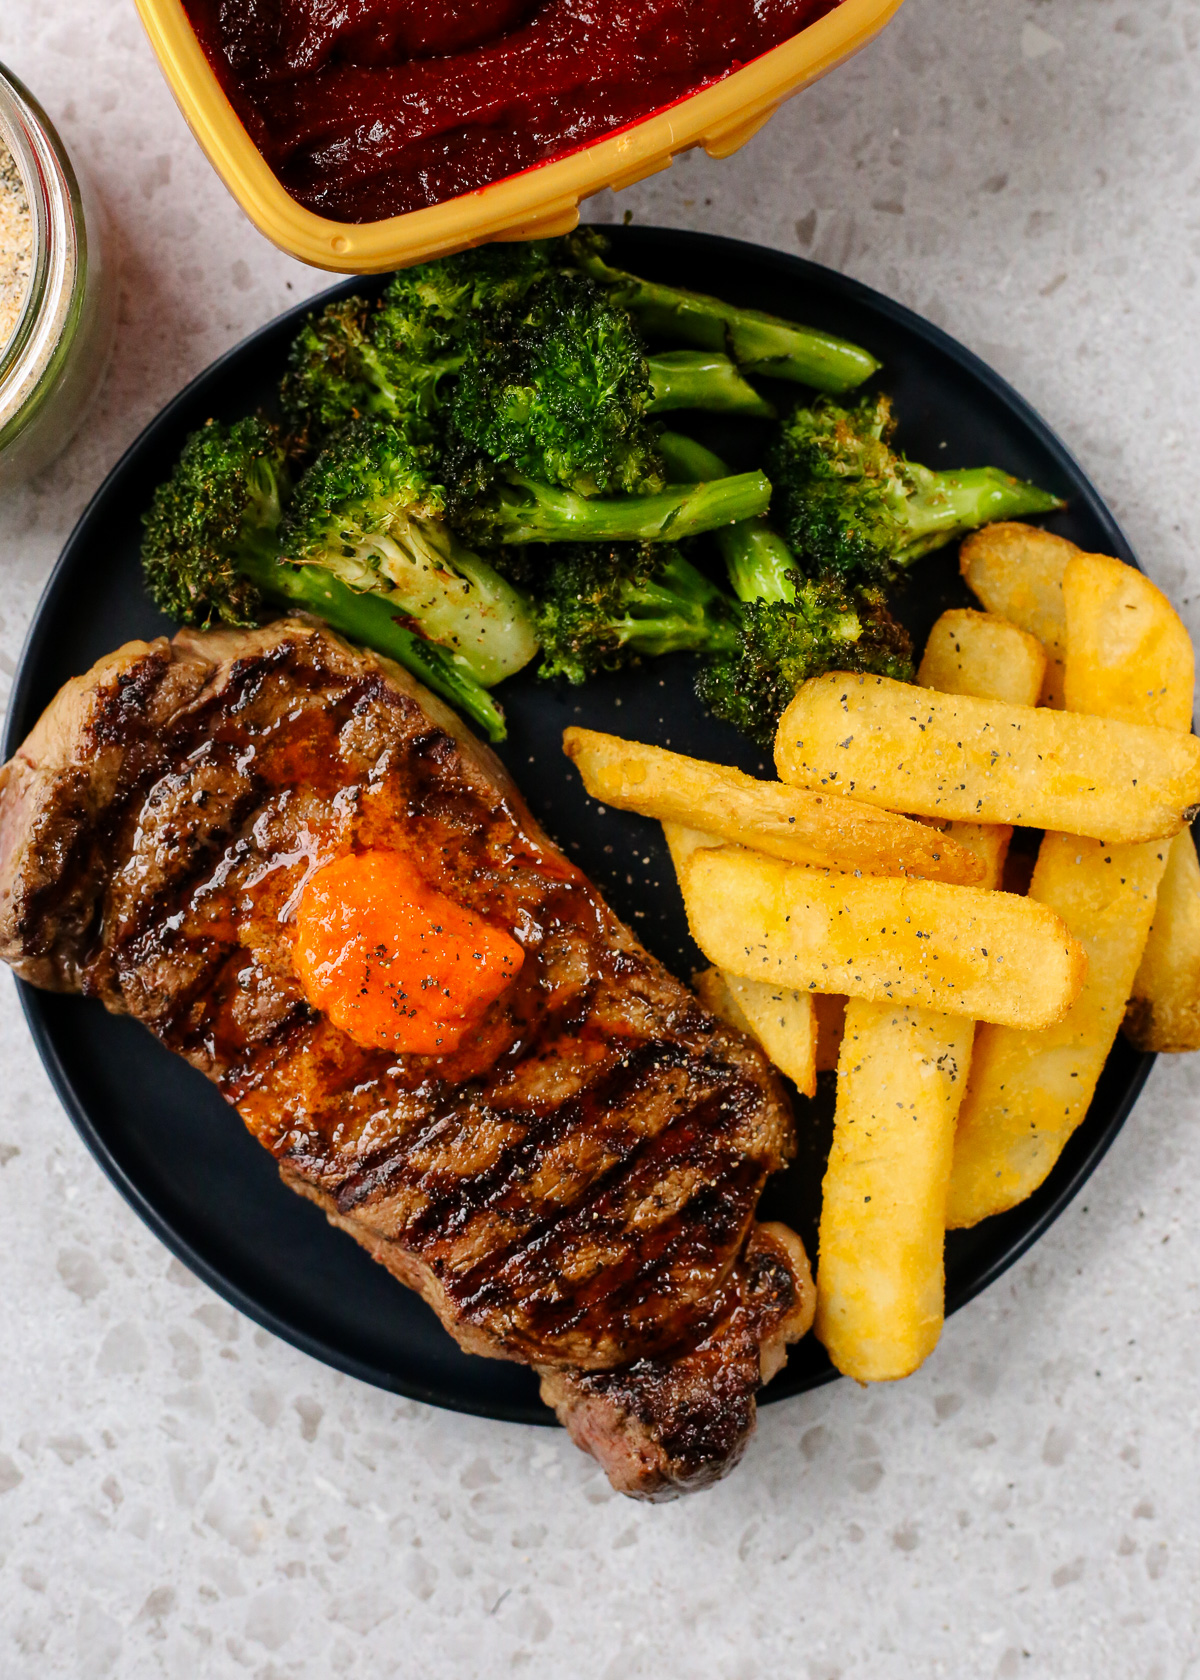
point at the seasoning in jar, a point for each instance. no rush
(16, 244)
(57, 300)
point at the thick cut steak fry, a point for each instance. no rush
(574, 1186)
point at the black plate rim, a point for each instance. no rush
(1064, 1187)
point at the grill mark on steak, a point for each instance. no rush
(598, 1290)
(575, 1185)
(454, 1197)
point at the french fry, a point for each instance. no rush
(880, 1280)
(786, 822)
(901, 1079)
(956, 950)
(1017, 572)
(990, 843)
(682, 842)
(974, 653)
(1129, 653)
(1143, 666)
(782, 1020)
(1164, 1010)
(1029, 1090)
(909, 749)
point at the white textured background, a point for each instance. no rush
(182, 1495)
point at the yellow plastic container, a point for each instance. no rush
(533, 204)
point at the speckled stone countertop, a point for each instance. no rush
(183, 1495)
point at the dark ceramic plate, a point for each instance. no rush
(161, 1132)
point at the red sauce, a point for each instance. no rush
(366, 108)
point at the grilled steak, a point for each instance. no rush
(574, 1184)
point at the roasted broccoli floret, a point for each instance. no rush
(560, 390)
(391, 357)
(336, 373)
(425, 311)
(557, 389)
(602, 605)
(823, 627)
(212, 551)
(848, 506)
(759, 343)
(367, 511)
(492, 361)
(789, 627)
(211, 532)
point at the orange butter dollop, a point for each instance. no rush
(391, 960)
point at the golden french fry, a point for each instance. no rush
(880, 1281)
(901, 1079)
(1028, 1091)
(831, 1026)
(1141, 665)
(958, 950)
(782, 1020)
(1017, 572)
(792, 823)
(1164, 1010)
(682, 842)
(1129, 653)
(975, 653)
(990, 843)
(909, 749)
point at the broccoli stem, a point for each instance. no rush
(450, 595)
(949, 504)
(759, 562)
(529, 512)
(702, 379)
(372, 620)
(758, 342)
(677, 611)
(688, 462)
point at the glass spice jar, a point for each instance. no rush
(52, 364)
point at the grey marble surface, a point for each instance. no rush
(182, 1495)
